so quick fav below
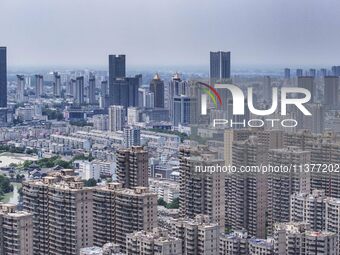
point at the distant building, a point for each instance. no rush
(20, 92)
(116, 117)
(131, 137)
(79, 90)
(3, 77)
(92, 90)
(331, 92)
(287, 73)
(39, 85)
(157, 87)
(307, 82)
(219, 66)
(56, 85)
(299, 72)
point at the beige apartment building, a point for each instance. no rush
(150, 243)
(118, 211)
(16, 229)
(132, 167)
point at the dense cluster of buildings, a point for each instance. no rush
(145, 143)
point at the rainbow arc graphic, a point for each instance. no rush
(213, 94)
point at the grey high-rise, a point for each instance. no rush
(219, 66)
(157, 87)
(116, 70)
(3, 77)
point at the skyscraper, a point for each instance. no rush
(219, 66)
(299, 72)
(287, 73)
(184, 110)
(39, 85)
(20, 93)
(79, 90)
(157, 87)
(307, 82)
(56, 85)
(3, 77)
(116, 117)
(117, 69)
(132, 167)
(331, 91)
(124, 91)
(92, 90)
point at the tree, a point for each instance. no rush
(90, 183)
(161, 202)
(174, 204)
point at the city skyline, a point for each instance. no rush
(51, 32)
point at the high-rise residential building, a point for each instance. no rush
(309, 207)
(281, 185)
(331, 91)
(307, 82)
(119, 211)
(124, 91)
(39, 85)
(56, 84)
(299, 72)
(92, 90)
(20, 92)
(62, 211)
(3, 77)
(234, 135)
(116, 117)
(201, 192)
(132, 167)
(318, 210)
(184, 110)
(155, 242)
(16, 231)
(131, 137)
(296, 238)
(200, 236)
(247, 192)
(323, 148)
(314, 122)
(219, 66)
(287, 73)
(79, 90)
(157, 87)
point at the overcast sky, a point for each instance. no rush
(170, 32)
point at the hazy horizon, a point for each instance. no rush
(81, 33)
